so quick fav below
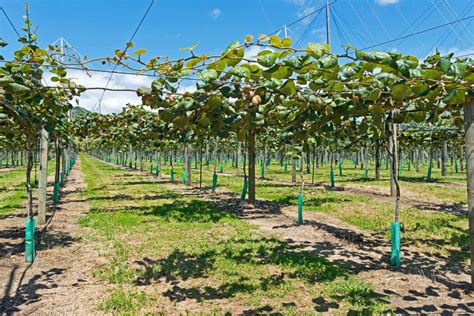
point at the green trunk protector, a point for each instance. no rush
(172, 175)
(183, 175)
(214, 182)
(244, 190)
(30, 240)
(222, 168)
(395, 259)
(56, 193)
(428, 176)
(262, 170)
(331, 176)
(300, 208)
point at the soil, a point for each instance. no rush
(60, 280)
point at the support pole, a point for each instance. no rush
(43, 177)
(469, 141)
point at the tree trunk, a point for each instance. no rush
(377, 160)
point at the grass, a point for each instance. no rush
(172, 249)
(444, 231)
(13, 187)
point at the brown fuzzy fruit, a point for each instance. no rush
(256, 100)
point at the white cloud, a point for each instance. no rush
(187, 87)
(387, 2)
(304, 12)
(320, 33)
(112, 101)
(298, 3)
(215, 13)
(252, 51)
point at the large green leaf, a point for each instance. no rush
(266, 58)
(288, 87)
(317, 50)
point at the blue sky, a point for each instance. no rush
(98, 27)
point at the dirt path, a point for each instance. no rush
(59, 281)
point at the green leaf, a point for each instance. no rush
(286, 42)
(456, 96)
(296, 62)
(288, 87)
(374, 95)
(317, 50)
(328, 61)
(207, 75)
(400, 91)
(189, 48)
(275, 41)
(181, 121)
(18, 88)
(266, 58)
(140, 51)
(375, 57)
(239, 71)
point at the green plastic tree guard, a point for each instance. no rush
(157, 171)
(262, 170)
(331, 176)
(366, 174)
(172, 175)
(56, 193)
(340, 168)
(151, 168)
(286, 166)
(428, 176)
(30, 240)
(244, 190)
(400, 169)
(395, 259)
(222, 168)
(456, 166)
(300, 208)
(214, 181)
(183, 175)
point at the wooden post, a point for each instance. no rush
(469, 141)
(43, 177)
(293, 170)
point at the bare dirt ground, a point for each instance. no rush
(59, 281)
(3, 169)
